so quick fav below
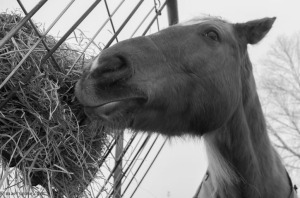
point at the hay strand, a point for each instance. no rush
(43, 131)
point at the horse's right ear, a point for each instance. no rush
(253, 31)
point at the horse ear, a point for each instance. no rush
(254, 31)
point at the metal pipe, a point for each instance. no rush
(74, 26)
(15, 29)
(154, 18)
(117, 163)
(19, 64)
(28, 76)
(40, 35)
(119, 179)
(157, 154)
(108, 151)
(124, 23)
(32, 70)
(118, 171)
(95, 35)
(110, 19)
(138, 169)
(142, 22)
(172, 9)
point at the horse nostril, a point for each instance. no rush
(110, 69)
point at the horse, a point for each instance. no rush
(193, 78)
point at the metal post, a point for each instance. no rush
(172, 9)
(118, 171)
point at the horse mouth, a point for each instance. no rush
(109, 111)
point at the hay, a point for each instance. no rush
(41, 127)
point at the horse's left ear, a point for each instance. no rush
(254, 31)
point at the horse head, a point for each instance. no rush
(186, 79)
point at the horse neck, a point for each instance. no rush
(247, 165)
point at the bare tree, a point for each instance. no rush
(281, 84)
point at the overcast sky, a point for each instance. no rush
(181, 165)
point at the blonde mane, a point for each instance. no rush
(220, 169)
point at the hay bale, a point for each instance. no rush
(41, 127)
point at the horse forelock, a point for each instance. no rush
(201, 19)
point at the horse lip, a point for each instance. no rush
(106, 109)
(119, 100)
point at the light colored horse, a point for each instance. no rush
(194, 78)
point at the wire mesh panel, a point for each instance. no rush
(47, 143)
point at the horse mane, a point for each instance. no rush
(223, 172)
(224, 175)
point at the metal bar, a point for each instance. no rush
(138, 169)
(118, 182)
(117, 164)
(39, 35)
(119, 150)
(110, 19)
(19, 64)
(124, 23)
(49, 55)
(74, 26)
(154, 18)
(138, 142)
(12, 32)
(132, 152)
(141, 23)
(149, 168)
(172, 9)
(26, 78)
(156, 10)
(145, 157)
(95, 35)
(110, 147)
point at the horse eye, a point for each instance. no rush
(213, 35)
